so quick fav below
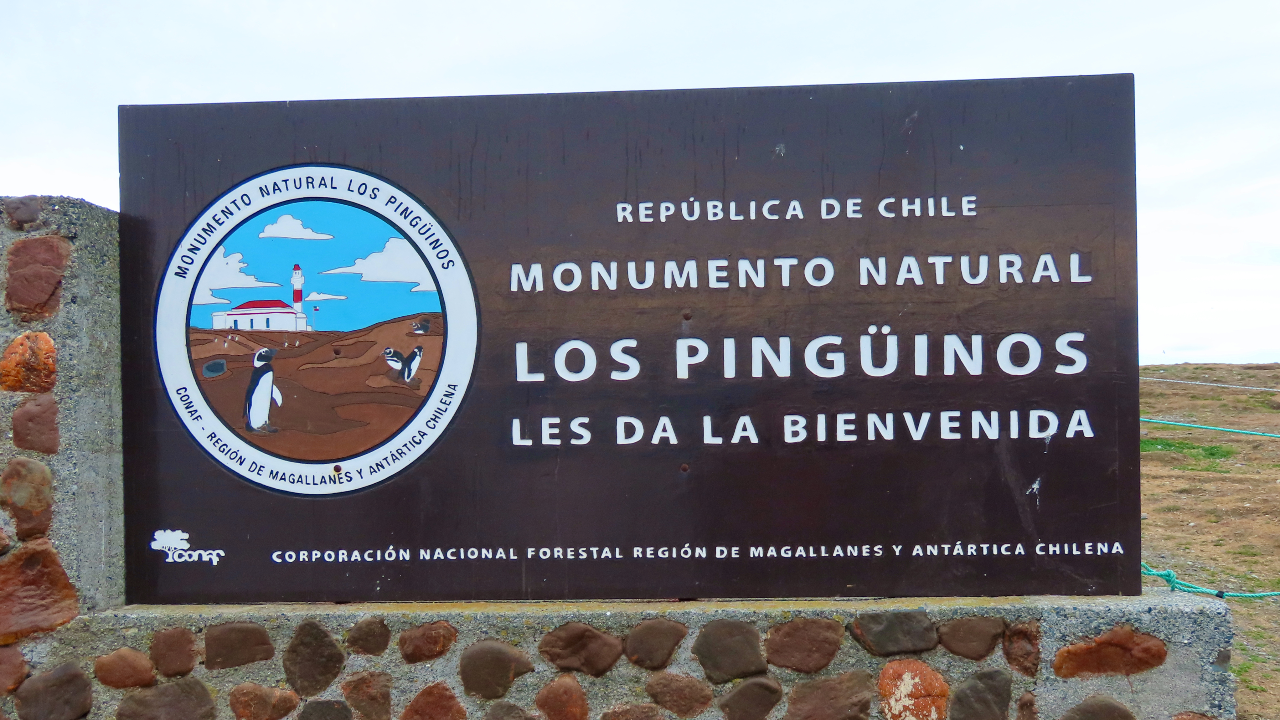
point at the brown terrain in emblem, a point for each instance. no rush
(340, 396)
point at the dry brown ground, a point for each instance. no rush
(1216, 520)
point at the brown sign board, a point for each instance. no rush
(771, 342)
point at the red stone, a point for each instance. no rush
(488, 668)
(1099, 707)
(972, 637)
(1022, 647)
(35, 424)
(651, 644)
(236, 643)
(36, 265)
(682, 695)
(22, 211)
(187, 698)
(13, 669)
(63, 693)
(125, 668)
(26, 492)
(754, 699)
(29, 364)
(435, 702)
(563, 699)
(804, 644)
(578, 646)
(1027, 707)
(250, 701)
(634, 712)
(370, 636)
(174, 652)
(846, 696)
(911, 690)
(35, 593)
(1119, 651)
(426, 642)
(370, 694)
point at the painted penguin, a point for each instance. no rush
(411, 364)
(394, 359)
(422, 328)
(261, 392)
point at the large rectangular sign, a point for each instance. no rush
(802, 341)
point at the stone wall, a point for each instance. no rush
(69, 650)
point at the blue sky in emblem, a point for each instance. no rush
(357, 269)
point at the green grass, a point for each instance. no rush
(1169, 508)
(1246, 551)
(1190, 449)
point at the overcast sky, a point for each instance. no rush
(1208, 91)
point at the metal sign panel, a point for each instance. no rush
(803, 341)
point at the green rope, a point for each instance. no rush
(1208, 427)
(1175, 584)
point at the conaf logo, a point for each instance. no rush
(174, 543)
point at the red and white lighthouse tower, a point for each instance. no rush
(297, 289)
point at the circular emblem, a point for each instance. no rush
(316, 330)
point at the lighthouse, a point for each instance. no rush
(297, 289)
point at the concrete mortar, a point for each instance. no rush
(88, 517)
(1195, 628)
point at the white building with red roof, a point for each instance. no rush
(272, 315)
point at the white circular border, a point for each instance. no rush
(453, 283)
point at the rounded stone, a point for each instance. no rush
(187, 698)
(804, 644)
(643, 711)
(1027, 707)
(370, 636)
(36, 266)
(972, 637)
(435, 702)
(911, 690)
(488, 668)
(426, 642)
(13, 669)
(313, 659)
(325, 710)
(1098, 707)
(983, 696)
(653, 642)
(1119, 651)
(847, 696)
(125, 668)
(369, 693)
(26, 492)
(683, 695)
(35, 424)
(753, 699)
(250, 701)
(563, 699)
(22, 211)
(578, 646)
(35, 593)
(174, 651)
(63, 693)
(1022, 647)
(236, 643)
(29, 364)
(729, 649)
(894, 633)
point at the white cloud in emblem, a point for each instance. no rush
(397, 262)
(324, 296)
(221, 272)
(290, 227)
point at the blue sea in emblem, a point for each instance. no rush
(344, 301)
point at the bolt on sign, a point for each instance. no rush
(770, 342)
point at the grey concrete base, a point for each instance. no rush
(1196, 630)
